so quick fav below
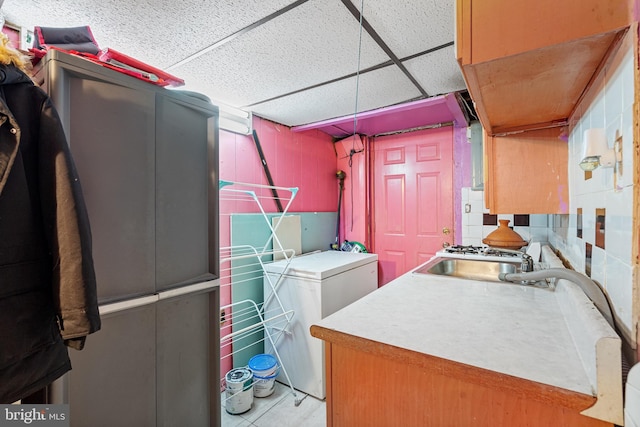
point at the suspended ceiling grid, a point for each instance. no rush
(294, 62)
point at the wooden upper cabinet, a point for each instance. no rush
(526, 173)
(527, 63)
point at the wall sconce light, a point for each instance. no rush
(597, 152)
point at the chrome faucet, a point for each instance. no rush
(527, 263)
(526, 260)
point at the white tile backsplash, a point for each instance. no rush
(475, 218)
(628, 149)
(598, 266)
(524, 232)
(538, 220)
(475, 232)
(619, 224)
(539, 234)
(612, 110)
(508, 217)
(626, 76)
(468, 241)
(473, 229)
(477, 206)
(613, 99)
(595, 113)
(476, 195)
(620, 291)
(465, 194)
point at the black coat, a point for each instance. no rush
(47, 281)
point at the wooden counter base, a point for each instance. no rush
(372, 384)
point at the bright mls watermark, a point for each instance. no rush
(34, 415)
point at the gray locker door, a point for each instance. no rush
(183, 361)
(113, 380)
(112, 137)
(185, 137)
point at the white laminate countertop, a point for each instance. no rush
(511, 329)
(543, 335)
(549, 336)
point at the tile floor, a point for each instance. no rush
(279, 410)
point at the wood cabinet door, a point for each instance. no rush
(526, 173)
(371, 389)
(527, 64)
(489, 29)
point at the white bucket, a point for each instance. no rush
(265, 370)
(239, 392)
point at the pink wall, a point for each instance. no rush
(353, 220)
(306, 160)
(309, 161)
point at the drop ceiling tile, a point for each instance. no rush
(410, 27)
(158, 32)
(309, 45)
(314, 43)
(437, 72)
(376, 89)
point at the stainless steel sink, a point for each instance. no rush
(473, 269)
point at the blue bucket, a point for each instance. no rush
(265, 370)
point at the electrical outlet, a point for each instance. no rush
(223, 317)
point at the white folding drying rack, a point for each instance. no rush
(248, 312)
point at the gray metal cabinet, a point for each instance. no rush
(182, 193)
(183, 335)
(113, 147)
(113, 380)
(146, 367)
(148, 162)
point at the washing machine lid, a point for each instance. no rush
(321, 265)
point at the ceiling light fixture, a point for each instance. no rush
(235, 120)
(231, 119)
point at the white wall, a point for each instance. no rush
(612, 109)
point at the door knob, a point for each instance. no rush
(446, 244)
(446, 230)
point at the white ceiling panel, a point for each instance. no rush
(294, 51)
(291, 61)
(410, 27)
(159, 32)
(386, 86)
(437, 72)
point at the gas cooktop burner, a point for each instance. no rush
(480, 251)
(502, 252)
(460, 249)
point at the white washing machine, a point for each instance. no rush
(315, 286)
